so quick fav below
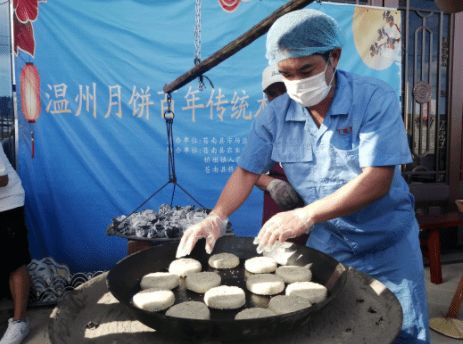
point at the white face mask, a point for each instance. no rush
(309, 91)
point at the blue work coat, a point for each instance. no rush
(363, 128)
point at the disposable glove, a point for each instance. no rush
(283, 226)
(211, 228)
(284, 195)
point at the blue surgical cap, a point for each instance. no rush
(302, 33)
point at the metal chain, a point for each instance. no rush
(169, 118)
(197, 40)
(197, 30)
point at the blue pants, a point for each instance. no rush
(399, 268)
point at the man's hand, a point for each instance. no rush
(284, 195)
(211, 228)
(284, 226)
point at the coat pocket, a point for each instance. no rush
(292, 153)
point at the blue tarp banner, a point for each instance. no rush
(100, 139)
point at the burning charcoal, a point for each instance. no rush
(173, 232)
(139, 223)
(174, 218)
(152, 233)
(149, 215)
(128, 230)
(139, 232)
(116, 222)
(119, 219)
(164, 208)
(179, 213)
(168, 222)
(183, 224)
(164, 223)
(189, 208)
(153, 220)
(197, 217)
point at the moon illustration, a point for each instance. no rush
(377, 36)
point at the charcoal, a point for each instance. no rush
(173, 232)
(152, 233)
(164, 208)
(139, 232)
(168, 222)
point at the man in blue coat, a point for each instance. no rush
(340, 139)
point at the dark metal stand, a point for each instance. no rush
(169, 118)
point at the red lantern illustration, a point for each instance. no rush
(30, 96)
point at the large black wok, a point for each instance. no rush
(123, 281)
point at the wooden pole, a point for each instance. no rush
(234, 46)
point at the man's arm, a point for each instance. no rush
(372, 184)
(263, 181)
(3, 180)
(237, 189)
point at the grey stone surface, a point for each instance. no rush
(451, 273)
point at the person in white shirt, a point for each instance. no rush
(14, 245)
